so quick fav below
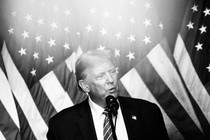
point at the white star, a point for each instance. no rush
(190, 25)
(66, 46)
(120, 17)
(67, 12)
(54, 25)
(14, 13)
(117, 52)
(78, 33)
(89, 28)
(130, 56)
(132, 20)
(106, 14)
(40, 21)
(103, 32)
(92, 11)
(101, 48)
(11, 30)
(132, 3)
(195, 8)
(161, 26)
(208, 68)
(199, 46)
(22, 51)
(147, 22)
(33, 72)
(25, 35)
(55, 8)
(203, 29)
(51, 42)
(148, 5)
(118, 35)
(66, 29)
(131, 38)
(206, 12)
(28, 17)
(147, 40)
(36, 55)
(38, 38)
(49, 59)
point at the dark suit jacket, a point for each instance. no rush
(76, 123)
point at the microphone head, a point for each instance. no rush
(112, 104)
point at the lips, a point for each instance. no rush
(112, 90)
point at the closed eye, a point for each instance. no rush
(100, 76)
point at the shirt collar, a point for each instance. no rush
(96, 109)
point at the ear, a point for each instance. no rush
(84, 86)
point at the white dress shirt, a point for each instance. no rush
(98, 119)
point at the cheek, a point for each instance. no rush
(98, 86)
(101, 86)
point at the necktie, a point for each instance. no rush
(107, 130)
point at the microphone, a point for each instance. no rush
(112, 104)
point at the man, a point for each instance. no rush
(97, 77)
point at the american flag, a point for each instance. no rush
(161, 48)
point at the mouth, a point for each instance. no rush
(112, 90)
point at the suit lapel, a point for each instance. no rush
(133, 123)
(85, 122)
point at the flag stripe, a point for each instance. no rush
(122, 90)
(69, 83)
(55, 92)
(42, 102)
(7, 99)
(141, 91)
(2, 136)
(8, 128)
(22, 94)
(190, 77)
(168, 100)
(72, 59)
(25, 129)
(169, 74)
(71, 62)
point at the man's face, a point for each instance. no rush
(101, 80)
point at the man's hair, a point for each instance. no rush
(84, 61)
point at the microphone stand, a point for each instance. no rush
(112, 125)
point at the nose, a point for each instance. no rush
(109, 78)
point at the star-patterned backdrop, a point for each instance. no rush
(161, 50)
(51, 31)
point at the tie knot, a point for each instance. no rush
(106, 111)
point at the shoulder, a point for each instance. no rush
(136, 101)
(148, 111)
(70, 113)
(139, 104)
